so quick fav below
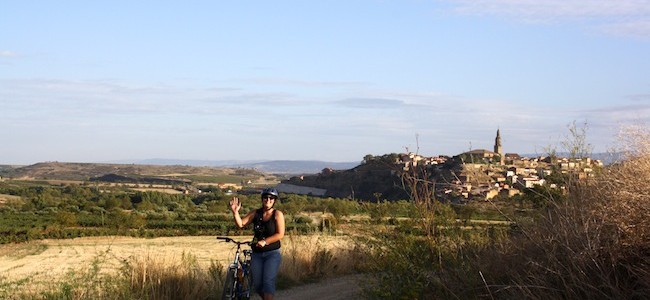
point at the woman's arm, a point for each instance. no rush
(235, 206)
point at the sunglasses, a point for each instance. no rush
(268, 198)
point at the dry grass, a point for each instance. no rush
(59, 257)
(596, 245)
(626, 192)
(161, 268)
(306, 258)
(153, 277)
(4, 198)
(592, 244)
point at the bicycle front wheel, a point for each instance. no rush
(230, 284)
(247, 286)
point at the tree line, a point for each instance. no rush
(69, 211)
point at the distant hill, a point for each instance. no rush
(170, 167)
(293, 167)
(297, 166)
(87, 171)
(368, 182)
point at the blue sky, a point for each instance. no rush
(99, 81)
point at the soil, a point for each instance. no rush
(346, 287)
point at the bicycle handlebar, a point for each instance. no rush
(229, 240)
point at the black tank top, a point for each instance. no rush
(263, 229)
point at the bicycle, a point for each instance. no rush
(238, 278)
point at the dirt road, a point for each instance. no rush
(346, 287)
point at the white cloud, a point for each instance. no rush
(7, 53)
(639, 28)
(639, 97)
(373, 103)
(302, 83)
(621, 17)
(372, 121)
(553, 9)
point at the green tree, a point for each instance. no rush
(66, 218)
(146, 205)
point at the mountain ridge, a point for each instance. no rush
(267, 166)
(77, 170)
(279, 167)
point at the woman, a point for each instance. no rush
(268, 231)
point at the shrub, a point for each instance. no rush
(593, 242)
(593, 245)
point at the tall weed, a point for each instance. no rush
(314, 257)
(151, 277)
(595, 245)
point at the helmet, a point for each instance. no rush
(271, 191)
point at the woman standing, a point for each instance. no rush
(268, 229)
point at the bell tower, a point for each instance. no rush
(498, 148)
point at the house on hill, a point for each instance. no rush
(510, 158)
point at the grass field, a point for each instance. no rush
(43, 264)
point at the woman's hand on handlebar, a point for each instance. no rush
(261, 243)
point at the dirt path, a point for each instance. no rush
(345, 287)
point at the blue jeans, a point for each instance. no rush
(264, 270)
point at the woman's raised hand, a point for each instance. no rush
(235, 205)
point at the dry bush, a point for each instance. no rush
(595, 245)
(313, 257)
(155, 277)
(625, 188)
(142, 277)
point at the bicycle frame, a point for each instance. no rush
(237, 284)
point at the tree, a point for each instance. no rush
(66, 218)
(145, 205)
(576, 142)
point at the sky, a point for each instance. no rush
(105, 81)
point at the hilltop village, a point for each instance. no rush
(474, 175)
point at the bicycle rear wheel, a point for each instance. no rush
(230, 285)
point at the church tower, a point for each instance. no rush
(498, 148)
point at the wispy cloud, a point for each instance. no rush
(639, 97)
(371, 103)
(303, 83)
(621, 17)
(103, 107)
(637, 28)
(606, 120)
(113, 97)
(556, 8)
(7, 53)
(632, 109)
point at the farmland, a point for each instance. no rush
(502, 248)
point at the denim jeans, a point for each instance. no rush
(264, 270)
